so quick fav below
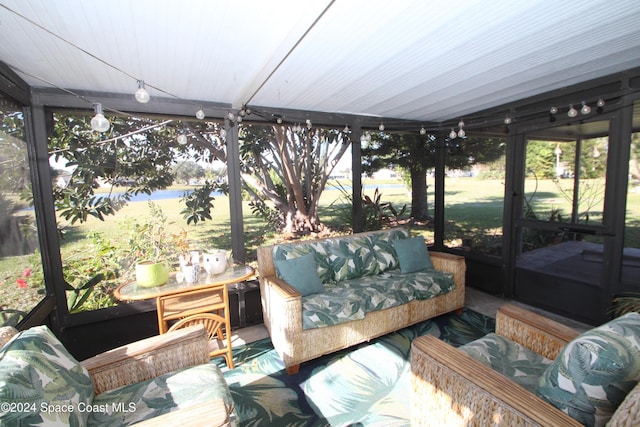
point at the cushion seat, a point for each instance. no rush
(352, 299)
(42, 384)
(167, 393)
(514, 361)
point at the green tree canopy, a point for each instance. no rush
(416, 155)
(285, 171)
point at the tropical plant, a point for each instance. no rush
(78, 296)
(262, 210)
(377, 214)
(91, 274)
(625, 303)
(149, 240)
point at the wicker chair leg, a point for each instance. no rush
(292, 370)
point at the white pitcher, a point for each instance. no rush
(214, 261)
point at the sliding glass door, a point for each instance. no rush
(564, 231)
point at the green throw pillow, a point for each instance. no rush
(301, 273)
(41, 383)
(412, 254)
(592, 375)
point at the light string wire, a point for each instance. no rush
(83, 50)
(442, 126)
(89, 101)
(97, 58)
(294, 47)
(70, 92)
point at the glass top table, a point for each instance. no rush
(233, 274)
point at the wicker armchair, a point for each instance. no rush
(171, 353)
(148, 358)
(451, 388)
(155, 356)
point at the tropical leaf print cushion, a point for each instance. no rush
(319, 251)
(508, 358)
(594, 372)
(352, 299)
(169, 392)
(383, 250)
(41, 383)
(351, 258)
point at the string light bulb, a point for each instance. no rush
(461, 133)
(423, 131)
(182, 139)
(142, 96)
(99, 122)
(585, 108)
(381, 127)
(200, 114)
(453, 134)
(600, 105)
(507, 120)
(572, 111)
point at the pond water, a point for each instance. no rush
(176, 194)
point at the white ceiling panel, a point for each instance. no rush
(420, 60)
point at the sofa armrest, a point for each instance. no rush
(537, 333)
(284, 290)
(148, 358)
(451, 388)
(628, 413)
(451, 263)
(282, 313)
(285, 307)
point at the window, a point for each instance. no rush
(631, 253)
(565, 179)
(474, 194)
(137, 192)
(21, 276)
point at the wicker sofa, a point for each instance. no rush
(462, 387)
(159, 381)
(349, 259)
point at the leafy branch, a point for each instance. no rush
(198, 204)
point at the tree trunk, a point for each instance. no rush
(299, 223)
(419, 203)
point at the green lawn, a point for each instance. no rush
(473, 211)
